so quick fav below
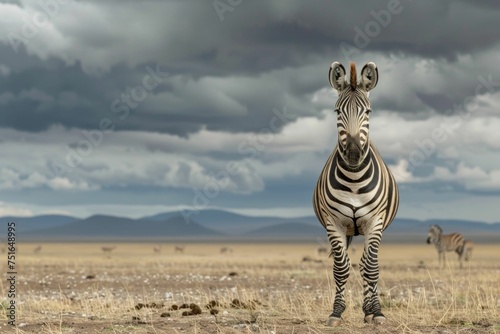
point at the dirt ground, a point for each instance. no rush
(249, 288)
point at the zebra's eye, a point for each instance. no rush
(368, 111)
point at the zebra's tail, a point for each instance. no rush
(349, 240)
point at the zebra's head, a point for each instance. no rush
(353, 109)
(434, 232)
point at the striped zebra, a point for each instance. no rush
(356, 193)
(453, 242)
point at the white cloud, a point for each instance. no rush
(401, 172)
(472, 178)
(12, 179)
(10, 210)
(62, 183)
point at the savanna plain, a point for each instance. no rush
(243, 288)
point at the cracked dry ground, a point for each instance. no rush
(258, 288)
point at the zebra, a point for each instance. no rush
(226, 250)
(322, 250)
(107, 249)
(356, 194)
(179, 249)
(37, 249)
(453, 242)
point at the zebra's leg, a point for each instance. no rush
(369, 269)
(341, 267)
(468, 254)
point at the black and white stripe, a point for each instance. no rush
(356, 193)
(453, 242)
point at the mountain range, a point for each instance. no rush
(220, 225)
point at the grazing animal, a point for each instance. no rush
(107, 249)
(356, 193)
(453, 242)
(37, 249)
(226, 250)
(322, 250)
(179, 249)
(157, 249)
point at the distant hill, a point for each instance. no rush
(404, 225)
(463, 226)
(110, 227)
(223, 225)
(38, 222)
(228, 222)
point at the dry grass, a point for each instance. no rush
(75, 288)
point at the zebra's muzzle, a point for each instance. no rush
(353, 157)
(353, 152)
(429, 240)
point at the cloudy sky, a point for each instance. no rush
(136, 107)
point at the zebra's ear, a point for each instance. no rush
(337, 76)
(369, 77)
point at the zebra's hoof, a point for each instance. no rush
(379, 319)
(376, 319)
(334, 322)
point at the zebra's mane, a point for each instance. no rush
(437, 227)
(354, 80)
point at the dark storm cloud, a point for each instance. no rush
(435, 101)
(267, 35)
(227, 75)
(35, 98)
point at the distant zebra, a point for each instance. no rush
(37, 249)
(108, 249)
(323, 250)
(157, 249)
(453, 242)
(226, 250)
(179, 249)
(356, 193)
